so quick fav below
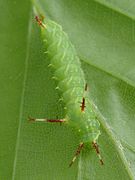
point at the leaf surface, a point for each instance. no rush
(104, 35)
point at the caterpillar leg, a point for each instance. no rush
(77, 153)
(47, 120)
(95, 146)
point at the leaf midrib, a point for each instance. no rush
(22, 95)
(115, 142)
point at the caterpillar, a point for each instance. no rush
(72, 84)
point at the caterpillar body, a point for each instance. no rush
(71, 83)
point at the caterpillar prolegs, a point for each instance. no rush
(72, 84)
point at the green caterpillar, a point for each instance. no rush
(71, 82)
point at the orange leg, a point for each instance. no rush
(47, 120)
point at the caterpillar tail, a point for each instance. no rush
(95, 146)
(81, 145)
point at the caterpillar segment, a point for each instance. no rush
(72, 84)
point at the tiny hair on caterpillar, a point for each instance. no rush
(71, 82)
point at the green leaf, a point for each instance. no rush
(13, 41)
(104, 35)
